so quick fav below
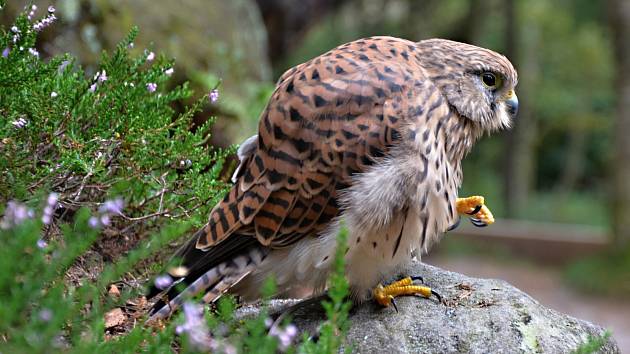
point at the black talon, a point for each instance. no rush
(417, 277)
(478, 222)
(394, 303)
(475, 211)
(455, 225)
(439, 297)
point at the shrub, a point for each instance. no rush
(90, 166)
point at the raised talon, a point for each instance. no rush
(475, 206)
(475, 211)
(384, 295)
(455, 225)
(478, 222)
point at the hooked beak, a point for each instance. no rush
(512, 104)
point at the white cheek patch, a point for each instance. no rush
(502, 119)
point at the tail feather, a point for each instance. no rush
(214, 282)
(197, 262)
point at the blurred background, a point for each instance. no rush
(559, 182)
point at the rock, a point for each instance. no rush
(480, 316)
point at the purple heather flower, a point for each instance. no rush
(5, 52)
(105, 220)
(52, 199)
(45, 315)
(15, 214)
(168, 71)
(130, 45)
(14, 29)
(285, 336)
(53, 94)
(102, 76)
(268, 322)
(41, 244)
(93, 87)
(45, 22)
(34, 7)
(213, 95)
(195, 327)
(51, 9)
(114, 206)
(63, 66)
(163, 281)
(49, 209)
(151, 87)
(33, 52)
(94, 223)
(150, 56)
(20, 123)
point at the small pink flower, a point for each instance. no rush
(150, 56)
(213, 96)
(151, 87)
(45, 315)
(168, 71)
(41, 244)
(5, 52)
(53, 94)
(93, 222)
(102, 76)
(163, 281)
(93, 87)
(20, 123)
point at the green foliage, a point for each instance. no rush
(594, 344)
(332, 332)
(94, 141)
(112, 134)
(42, 313)
(604, 274)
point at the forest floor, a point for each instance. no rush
(546, 284)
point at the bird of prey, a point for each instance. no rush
(370, 134)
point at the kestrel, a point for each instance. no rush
(371, 133)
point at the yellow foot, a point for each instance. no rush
(475, 206)
(384, 295)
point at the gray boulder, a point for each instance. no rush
(479, 316)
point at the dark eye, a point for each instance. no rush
(489, 79)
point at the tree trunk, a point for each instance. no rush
(620, 22)
(518, 159)
(288, 21)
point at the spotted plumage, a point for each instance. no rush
(372, 132)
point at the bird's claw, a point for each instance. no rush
(475, 207)
(385, 295)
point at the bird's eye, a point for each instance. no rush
(490, 80)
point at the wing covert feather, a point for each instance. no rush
(328, 119)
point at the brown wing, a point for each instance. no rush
(327, 119)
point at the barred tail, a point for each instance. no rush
(214, 283)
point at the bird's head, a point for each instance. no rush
(477, 82)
